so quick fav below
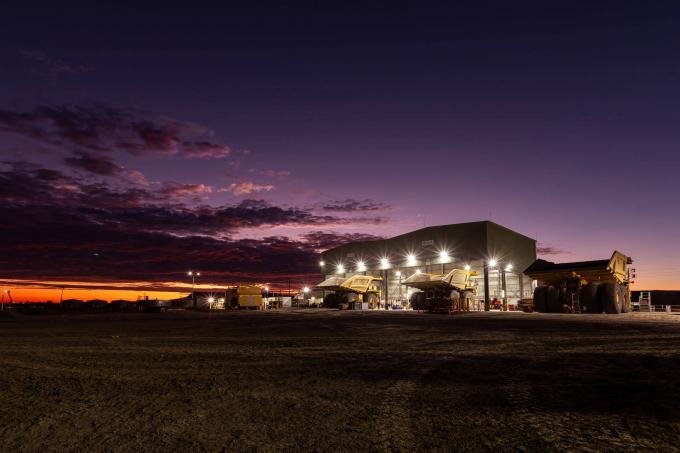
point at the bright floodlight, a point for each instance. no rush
(444, 255)
(384, 263)
(411, 259)
(266, 289)
(492, 263)
(211, 300)
(508, 268)
(341, 269)
(417, 271)
(361, 266)
(398, 273)
(190, 273)
(322, 264)
(198, 274)
(467, 267)
(305, 289)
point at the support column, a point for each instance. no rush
(521, 285)
(387, 285)
(487, 300)
(505, 289)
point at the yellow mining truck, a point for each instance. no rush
(451, 292)
(585, 286)
(244, 297)
(351, 292)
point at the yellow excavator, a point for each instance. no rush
(450, 292)
(351, 292)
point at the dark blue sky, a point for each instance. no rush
(558, 119)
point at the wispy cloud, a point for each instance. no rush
(102, 128)
(53, 65)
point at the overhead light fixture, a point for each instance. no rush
(322, 264)
(492, 262)
(384, 263)
(467, 267)
(411, 260)
(508, 268)
(443, 256)
(340, 269)
(361, 266)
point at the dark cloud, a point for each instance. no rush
(94, 163)
(205, 150)
(98, 127)
(351, 205)
(324, 240)
(65, 228)
(548, 250)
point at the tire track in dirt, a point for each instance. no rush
(394, 425)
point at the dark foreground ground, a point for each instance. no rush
(330, 380)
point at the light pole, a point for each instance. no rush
(322, 265)
(305, 291)
(193, 276)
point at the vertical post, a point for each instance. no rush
(520, 276)
(505, 290)
(386, 289)
(487, 301)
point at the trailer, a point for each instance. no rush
(601, 286)
(452, 292)
(357, 291)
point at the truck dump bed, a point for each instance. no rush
(359, 284)
(613, 270)
(456, 279)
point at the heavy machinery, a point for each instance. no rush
(351, 292)
(451, 292)
(586, 286)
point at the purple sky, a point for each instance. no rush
(274, 131)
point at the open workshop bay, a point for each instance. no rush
(331, 380)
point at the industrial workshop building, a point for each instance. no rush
(497, 254)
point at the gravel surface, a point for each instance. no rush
(339, 381)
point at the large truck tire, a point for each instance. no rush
(467, 298)
(372, 300)
(330, 301)
(610, 298)
(417, 301)
(454, 297)
(552, 299)
(588, 299)
(539, 299)
(625, 299)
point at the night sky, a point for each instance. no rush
(138, 141)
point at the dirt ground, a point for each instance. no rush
(328, 380)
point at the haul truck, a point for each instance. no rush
(454, 291)
(352, 290)
(586, 286)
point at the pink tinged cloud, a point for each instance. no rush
(247, 188)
